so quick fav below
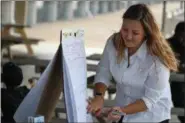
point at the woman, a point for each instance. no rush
(139, 59)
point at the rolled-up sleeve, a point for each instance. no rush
(103, 74)
(155, 84)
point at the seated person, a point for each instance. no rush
(12, 95)
(177, 42)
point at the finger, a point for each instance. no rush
(90, 98)
(113, 113)
(114, 117)
(95, 110)
(117, 117)
(109, 116)
(89, 108)
(89, 101)
(105, 111)
(117, 111)
(98, 112)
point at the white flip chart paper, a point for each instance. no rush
(75, 64)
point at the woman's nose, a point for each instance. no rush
(129, 36)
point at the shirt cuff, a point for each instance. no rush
(147, 103)
(102, 80)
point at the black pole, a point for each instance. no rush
(184, 68)
(163, 18)
(184, 10)
(181, 4)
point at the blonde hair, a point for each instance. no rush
(156, 43)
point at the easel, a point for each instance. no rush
(47, 91)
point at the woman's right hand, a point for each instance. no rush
(95, 105)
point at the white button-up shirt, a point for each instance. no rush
(146, 78)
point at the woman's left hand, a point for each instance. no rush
(115, 117)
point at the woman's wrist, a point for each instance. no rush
(98, 94)
(99, 97)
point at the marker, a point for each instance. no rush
(116, 112)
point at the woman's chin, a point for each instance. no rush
(130, 46)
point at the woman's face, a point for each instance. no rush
(132, 32)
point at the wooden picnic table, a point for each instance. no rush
(7, 39)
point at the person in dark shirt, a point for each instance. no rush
(177, 42)
(12, 95)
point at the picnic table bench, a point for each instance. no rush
(31, 60)
(95, 56)
(9, 25)
(12, 40)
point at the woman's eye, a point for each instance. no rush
(136, 33)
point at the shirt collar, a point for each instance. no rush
(140, 53)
